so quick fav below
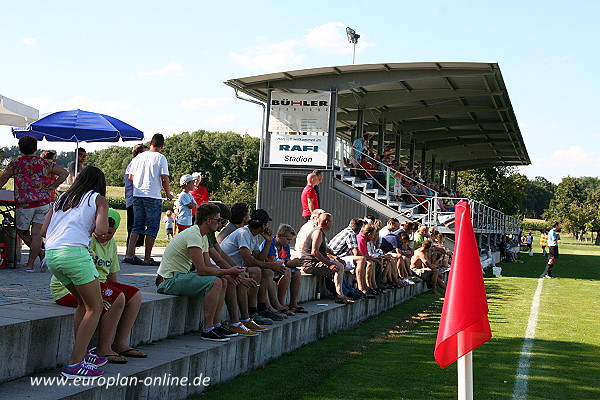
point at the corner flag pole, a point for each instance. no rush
(465, 376)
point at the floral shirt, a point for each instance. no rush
(30, 174)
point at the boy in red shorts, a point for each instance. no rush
(121, 302)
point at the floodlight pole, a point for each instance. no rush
(353, 52)
(352, 38)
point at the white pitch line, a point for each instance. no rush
(522, 375)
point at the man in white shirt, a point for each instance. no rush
(149, 173)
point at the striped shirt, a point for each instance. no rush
(343, 243)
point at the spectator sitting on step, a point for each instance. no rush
(243, 246)
(422, 266)
(305, 231)
(291, 279)
(317, 259)
(121, 302)
(237, 287)
(174, 275)
(368, 233)
(240, 215)
(345, 246)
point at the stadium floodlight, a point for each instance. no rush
(352, 38)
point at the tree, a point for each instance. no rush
(501, 188)
(568, 206)
(112, 161)
(538, 194)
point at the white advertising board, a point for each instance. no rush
(298, 150)
(293, 112)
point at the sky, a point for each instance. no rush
(160, 66)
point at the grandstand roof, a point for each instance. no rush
(459, 112)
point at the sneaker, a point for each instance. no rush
(408, 281)
(253, 325)
(270, 314)
(242, 330)
(549, 277)
(81, 370)
(225, 332)
(416, 279)
(259, 319)
(94, 359)
(214, 336)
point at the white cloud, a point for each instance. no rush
(173, 68)
(199, 103)
(28, 41)
(87, 104)
(269, 56)
(266, 55)
(219, 121)
(41, 102)
(574, 156)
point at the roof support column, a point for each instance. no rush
(433, 160)
(455, 183)
(441, 181)
(411, 156)
(360, 121)
(380, 138)
(423, 161)
(398, 146)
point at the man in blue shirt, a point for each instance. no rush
(553, 238)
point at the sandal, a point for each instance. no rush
(116, 359)
(300, 310)
(343, 300)
(128, 353)
(286, 311)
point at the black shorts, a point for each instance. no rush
(553, 252)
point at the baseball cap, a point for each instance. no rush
(185, 179)
(260, 215)
(197, 175)
(114, 214)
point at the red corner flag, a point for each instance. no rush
(464, 324)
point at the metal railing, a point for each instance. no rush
(439, 210)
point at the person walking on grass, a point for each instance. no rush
(553, 238)
(79, 212)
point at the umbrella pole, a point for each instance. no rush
(76, 161)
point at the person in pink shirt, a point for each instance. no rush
(32, 177)
(309, 197)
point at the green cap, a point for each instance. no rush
(114, 214)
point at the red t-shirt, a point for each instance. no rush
(200, 196)
(29, 174)
(308, 193)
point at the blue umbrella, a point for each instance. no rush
(80, 126)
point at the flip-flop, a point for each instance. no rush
(128, 353)
(112, 360)
(300, 310)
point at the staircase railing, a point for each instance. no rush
(439, 209)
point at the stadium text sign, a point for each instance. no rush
(299, 150)
(294, 112)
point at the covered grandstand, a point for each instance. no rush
(436, 118)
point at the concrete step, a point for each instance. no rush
(39, 335)
(189, 356)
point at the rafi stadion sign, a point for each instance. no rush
(300, 150)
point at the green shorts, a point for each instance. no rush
(190, 284)
(73, 265)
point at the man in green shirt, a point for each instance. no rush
(174, 275)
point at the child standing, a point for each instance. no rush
(121, 302)
(79, 212)
(169, 221)
(185, 203)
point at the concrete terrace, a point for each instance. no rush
(37, 337)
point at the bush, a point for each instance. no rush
(230, 192)
(118, 203)
(168, 205)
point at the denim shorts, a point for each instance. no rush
(146, 215)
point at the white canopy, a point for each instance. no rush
(13, 113)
